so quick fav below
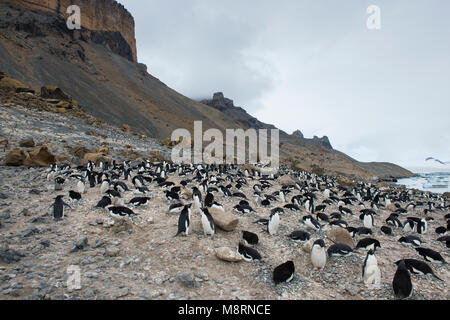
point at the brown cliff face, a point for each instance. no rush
(96, 15)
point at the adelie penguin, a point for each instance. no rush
(184, 221)
(104, 202)
(368, 244)
(339, 250)
(209, 227)
(401, 284)
(371, 273)
(418, 267)
(284, 272)
(250, 237)
(247, 253)
(300, 236)
(58, 208)
(274, 224)
(312, 223)
(139, 201)
(74, 196)
(318, 254)
(430, 255)
(411, 240)
(121, 212)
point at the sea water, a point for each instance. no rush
(436, 182)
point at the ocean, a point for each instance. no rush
(436, 182)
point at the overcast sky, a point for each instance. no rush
(313, 65)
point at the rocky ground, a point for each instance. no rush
(142, 259)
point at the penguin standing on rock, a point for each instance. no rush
(274, 223)
(318, 254)
(209, 227)
(184, 221)
(402, 284)
(371, 273)
(58, 208)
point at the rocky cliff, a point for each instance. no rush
(239, 114)
(96, 15)
(97, 67)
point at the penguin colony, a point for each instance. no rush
(248, 192)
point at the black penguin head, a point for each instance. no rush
(320, 243)
(59, 197)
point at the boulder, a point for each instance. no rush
(54, 92)
(446, 195)
(286, 181)
(126, 128)
(15, 85)
(224, 220)
(79, 151)
(27, 143)
(228, 254)
(103, 150)
(340, 235)
(40, 157)
(307, 246)
(15, 158)
(93, 157)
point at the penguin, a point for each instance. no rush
(74, 196)
(120, 186)
(81, 186)
(300, 236)
(345, 211)
(184, 221)
(401, 283)
(312, 223)
(371, 273)
(105, 186)
(197, 197)
(104, 202)
(363, 231)
(411, 240)
(58, 208)
(139, 201)
(430, 255)
(243, 209)
(368, 244)
(322, 217)
(209, 227)
(441, 230)
(418, 267)
(318, 254)
(209, 200)
(250, 237)
(176, 207)
(284, 272)
(339, 250)
(248, 254)
(386, 230)
(336, 216)
(292, 207)
(368, 220)
(121, 212)
(339, 223)
(274, 223)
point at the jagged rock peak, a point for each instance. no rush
(324, 142)
(298, 134)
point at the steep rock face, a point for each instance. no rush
(96, 15)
